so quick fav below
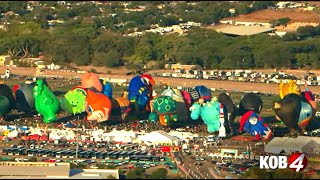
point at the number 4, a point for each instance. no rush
(297, 164)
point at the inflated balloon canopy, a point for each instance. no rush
(287, 88)
(7, 92)
(24, 97)
(4, 105)
(89, 80)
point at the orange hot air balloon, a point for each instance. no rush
(98, 106)
(89, 80)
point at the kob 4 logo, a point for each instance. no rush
(297, 162)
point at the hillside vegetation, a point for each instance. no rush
(91, 35)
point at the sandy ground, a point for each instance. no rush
(228, 85)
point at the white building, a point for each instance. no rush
(186, 136)
(159, 137)
(53, 66)
(305, 144)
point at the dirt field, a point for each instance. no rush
(228, 85)
(268, 14)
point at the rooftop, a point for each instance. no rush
(299, 143)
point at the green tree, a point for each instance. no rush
(32, 159)
(284, 21)
(303, 60)
(175, 176)
(256, 173)
(110, 166)
(110, 177)
(160, 173)
(168, 21)
(136, 173)
(287, 174)
(101, 166)
(258, 5)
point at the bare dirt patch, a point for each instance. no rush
(268, 14)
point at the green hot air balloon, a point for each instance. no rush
(74, 102)
(46, 102)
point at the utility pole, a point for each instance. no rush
(77, 139)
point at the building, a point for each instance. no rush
(186, 136)
(305, 144)
(179, 66)
(46, 170)
(40, 64)
(53, 66)
(34, 169)
(5, 60)
(245, 30)
(94, 174)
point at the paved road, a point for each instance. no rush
(213, 173)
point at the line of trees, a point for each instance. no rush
(83, 44)
(82, 41)
(257, 173)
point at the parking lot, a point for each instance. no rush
(88, 155)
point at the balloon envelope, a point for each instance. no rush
(75, 101)
(4, 105)
(287, 88)
(89, 80)
(248, 102)
(7, 92)
(46, 102)
(98, 106)
(204, 93)
(106, 88)
(24, 97)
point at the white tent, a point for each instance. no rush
(181, 135)
(159, 137)
(98, 135)
(301, 144)
(121, 136)
(59, 134)
(36, 131)
(69, 135)
(55, 135)
(13, 134)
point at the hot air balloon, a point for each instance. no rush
(204, 93)
(213, 115)
(248, 102)
(254, 124)
(106, 88)
(7, 92)
(74, 102)
(164, 110)
(139, 93)
(176, 95)
(4, 105)
(225, 99)
(293, 112)
(24, 97)
(287, 88)
(98, 106)
(46, 102)
(89, 80)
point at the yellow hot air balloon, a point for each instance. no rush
(287, 88)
